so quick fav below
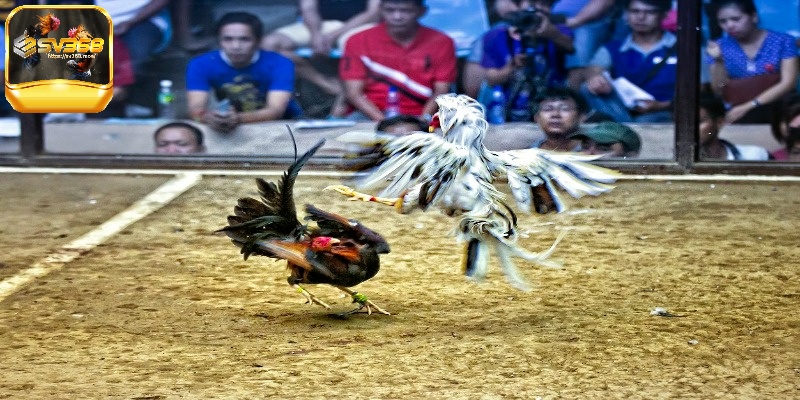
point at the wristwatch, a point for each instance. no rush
(755, 103)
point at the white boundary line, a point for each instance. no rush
(69, 252)
(278, 171)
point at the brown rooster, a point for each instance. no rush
(46, 24)
(338, 252)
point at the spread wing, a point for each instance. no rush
(533, 173)
(420, 158)
(339, 227)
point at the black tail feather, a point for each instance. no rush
(472, 257)
(274, 217)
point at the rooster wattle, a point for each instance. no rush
(339, 251)
(456, 173)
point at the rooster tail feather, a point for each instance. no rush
(510, 271)
(285, 201)
(539, 258)
(274, 217)
(476, 259)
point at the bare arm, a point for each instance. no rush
(719, 74)
(277, 102)
(789, 70)
(197, 101)
(499, 76)
(550, 32)
(354, 92)
(438, 89)
(596, 83)
(309, 9)
(593, 10)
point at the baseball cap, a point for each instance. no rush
(611, 132)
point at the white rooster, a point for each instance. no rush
(455, 173)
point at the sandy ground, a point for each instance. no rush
(168, 310)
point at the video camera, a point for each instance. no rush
(528, 21)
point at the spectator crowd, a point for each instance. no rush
(558, 64)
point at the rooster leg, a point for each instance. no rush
(353, 195)
(362, 301)
(310, 297)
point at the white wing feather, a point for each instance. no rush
(571, 171)
(415, 159)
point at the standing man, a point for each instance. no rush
(418, 61)
(324, 25)
(647, 57)
(258, 84)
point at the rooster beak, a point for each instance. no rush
(435, 123)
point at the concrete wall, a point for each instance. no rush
(272, 138)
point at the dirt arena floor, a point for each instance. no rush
(165, 309)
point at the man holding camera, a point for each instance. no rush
(526, 55)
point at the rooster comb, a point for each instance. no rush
(454, 109)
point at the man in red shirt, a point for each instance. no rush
(418, 61)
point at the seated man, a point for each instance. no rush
(646, 58)
(590, 23)
(258, 84)
(611, 139)
(418, 61)
(712, 119)
(178, 138)
(559, 112)
(324, 25)
(525, 56)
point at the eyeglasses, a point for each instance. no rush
(560, 109)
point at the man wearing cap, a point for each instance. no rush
(611, 139)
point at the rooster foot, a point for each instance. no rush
(356, 196)
(310, 298)
(363, 301)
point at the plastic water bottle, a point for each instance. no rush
(496, 112)
(166, 100)
(392, 103)
(520, 110)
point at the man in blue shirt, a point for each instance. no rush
(646, 57)
(525, 55)
(258, 84)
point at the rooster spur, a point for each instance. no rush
(455, 173)
(338, 251)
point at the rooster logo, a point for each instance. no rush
(26, 45)
(81, 67)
